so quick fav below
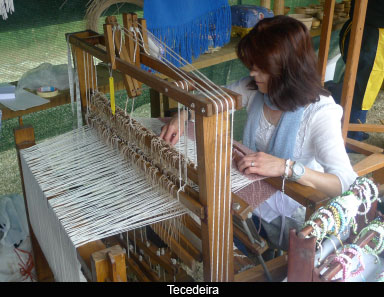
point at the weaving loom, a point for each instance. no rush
(195, 214)
(114, 175)
(201, 194)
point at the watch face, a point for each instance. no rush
(298, 169)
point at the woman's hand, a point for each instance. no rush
(170, 132)
(262, 164)
(270, 166)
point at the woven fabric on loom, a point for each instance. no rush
(79, 186)
(189, 26)
(258, 191)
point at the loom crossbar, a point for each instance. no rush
(199, 104)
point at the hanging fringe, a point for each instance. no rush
(6, 6)
(191, 38)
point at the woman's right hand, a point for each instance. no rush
(170, 132)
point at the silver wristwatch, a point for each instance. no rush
(298, 171)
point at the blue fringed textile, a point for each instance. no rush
(189, 26)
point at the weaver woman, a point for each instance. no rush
(293, 124)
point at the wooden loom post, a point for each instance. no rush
(109, 265)
(217, 251)
(278, 7)
(360, 10)
(265, 3)
(326, 31)
(85, 70)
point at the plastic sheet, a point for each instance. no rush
(45, 75)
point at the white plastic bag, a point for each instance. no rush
(45, 75)
(13, 220)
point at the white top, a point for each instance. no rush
(319, 143)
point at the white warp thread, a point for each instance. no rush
(54, 242)
(238, 180)
(94, 192)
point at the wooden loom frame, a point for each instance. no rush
(83, 46)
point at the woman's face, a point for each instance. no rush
(261, 79)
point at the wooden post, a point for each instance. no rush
(144, 33)
(131, 85)
(326, 31)
(265, 3)
(135, 23)
(352, 61)
(129, 40)
(85, 69)
(109, 45)
(217, 233)
(86, 74)
(155, 98)
(109, 265)
(278, 7)
(301, 258)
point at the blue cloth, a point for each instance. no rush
(247, 16)
(283, 140)
(189, 26)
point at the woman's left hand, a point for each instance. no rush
(262, 164)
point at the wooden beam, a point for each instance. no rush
(214, 188)
(86, 74)
(326, 31)
(85, 256)
(150, 251)
(199, 104)
(306, 196)
(365, 127)
(109, 265)
(362, 147)
(265, 3)
(369, 164)
(278, 7)
(175, 246)
(277, 267)
(358, 20)
(253, 247)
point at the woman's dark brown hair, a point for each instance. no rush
(282, 47)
